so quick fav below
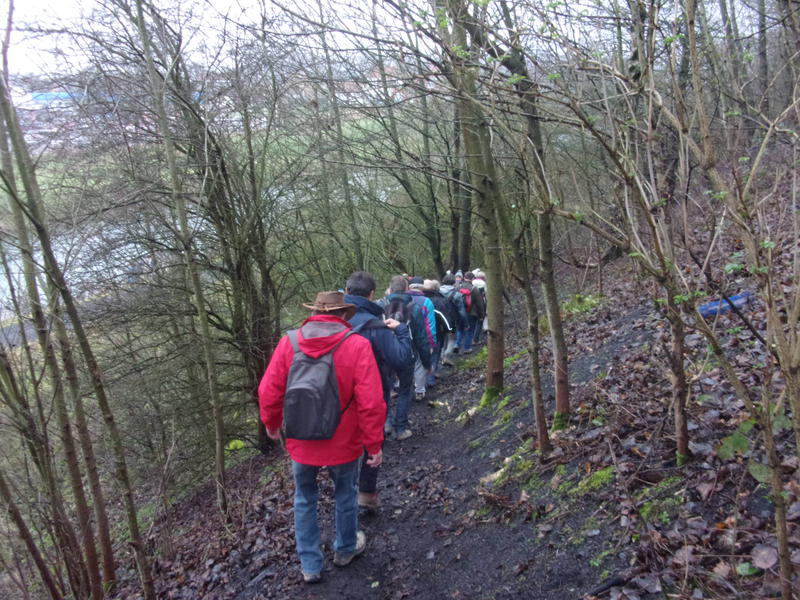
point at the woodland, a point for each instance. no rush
(624, 171)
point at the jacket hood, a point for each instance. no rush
(319, 333)
(446, 289)
(363, 304)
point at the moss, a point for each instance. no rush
(504, 418)
(534, 482)
(660, 510)
(476, 360)
(510, 360)
(659, 502)
(503, 402)
(681, 459)
(560, 421)
(660, 488)
(596, 481)
(564, 488)
(490, 394)
(598, 560)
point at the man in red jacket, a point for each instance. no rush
(360, 427)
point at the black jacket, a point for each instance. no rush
(419, 336)
(392, 349)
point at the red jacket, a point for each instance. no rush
(357, 373)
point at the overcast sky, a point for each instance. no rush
(29, 53)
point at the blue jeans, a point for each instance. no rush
(399, 419)
(477, 330)
(465, 337)
(306, 525)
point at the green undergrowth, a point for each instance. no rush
(581, 304)
(508, 361)
(595, 482)
(476, 360)
(659, 503)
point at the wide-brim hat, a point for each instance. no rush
(331, 301)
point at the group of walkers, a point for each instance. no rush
(405, 338)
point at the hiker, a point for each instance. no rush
(420, 373)
(479, 283)
(446, 317)
(391, 345)
(476, 310)
(361, 410)
(400, 306)
(449, 290)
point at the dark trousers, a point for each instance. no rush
(368, 476)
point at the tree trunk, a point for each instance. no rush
(680, 391)
(463, 200)
(763, 59)
(25, 534)
(477, 145)
(544, 226)
(89, 458)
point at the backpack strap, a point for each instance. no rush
(292, 335)
(355, 329)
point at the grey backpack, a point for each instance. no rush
(311, 401)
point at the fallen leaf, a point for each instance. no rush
(649, 583)
(764, 557)
(722, 569)
(705, 490)
(746, 569)
(684, 556)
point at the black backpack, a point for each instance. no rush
(311, 401)
(399, 311)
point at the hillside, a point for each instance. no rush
(469, 511)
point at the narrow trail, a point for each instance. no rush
(439, 533)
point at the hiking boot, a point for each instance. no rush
(403, 435)
(342, 560)
(420, 396)
(388, 429)
(369, 501)
(312, 577)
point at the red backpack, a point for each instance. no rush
(467, 293)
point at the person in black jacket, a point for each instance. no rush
(391, 344)
(446, 317)
(400, 306)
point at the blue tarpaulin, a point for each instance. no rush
(720, 307)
